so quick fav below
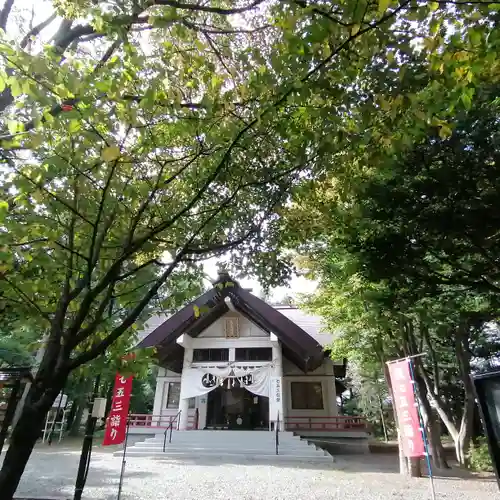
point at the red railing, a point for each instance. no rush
(138, 420)
(339, 423)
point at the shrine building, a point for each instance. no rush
(229, 360)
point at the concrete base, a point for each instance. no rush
(223, 445)
(151, 431)
(346, 435)
(223, 456)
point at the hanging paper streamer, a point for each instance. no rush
(200, 381)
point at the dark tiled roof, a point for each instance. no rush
(298, 345)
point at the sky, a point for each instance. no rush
(297, 285)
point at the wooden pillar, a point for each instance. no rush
(9, 413)
(184, 403)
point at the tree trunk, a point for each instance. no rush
(50, 380)
(440, 408)
(462, 439)
(431, 423)
(77, 420)
(25, 435)
(382, 419)
(71, 416)
(22, 441)
(436, 446)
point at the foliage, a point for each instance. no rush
(402, 235)
(143, 392)
(19, 341)
(371, 397)
(144, 137)
(479, 456)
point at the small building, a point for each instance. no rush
(229, 360)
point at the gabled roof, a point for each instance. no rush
(298, 345)
(310, 323)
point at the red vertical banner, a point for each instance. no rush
(116, 423)
(406, 408)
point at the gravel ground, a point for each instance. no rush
(51, 473)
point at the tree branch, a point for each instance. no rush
(36, 30)
(91, 328)
(64, 299)
(4, 14)
(101, 347)
(95, 245)
(135, 270)
(26, 297)
(206, 8)
(29, 242)
(213, 30)
(40, 186)
(305, 5)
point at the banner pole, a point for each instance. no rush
(124, 461)
(422, 354)
(424, 432)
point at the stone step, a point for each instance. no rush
(269, 444)
(241, 444)
(223, 439)
(284, 449)
(228, 456)
(226, 436)
(235, 446)
(220, 449)
(227, 446)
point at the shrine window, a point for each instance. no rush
(254, 354)
(205, 355)
(173, 394)
(307, 396)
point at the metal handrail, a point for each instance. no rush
(277, 433)
(169, 427)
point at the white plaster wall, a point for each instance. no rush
(325, 375)
(160, 410)
(162, 388)
(247, 328)
(290, 368)
(201, 404)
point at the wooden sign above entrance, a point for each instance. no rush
(231, 328)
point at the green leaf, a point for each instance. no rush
(103, 86)
(475, 37)
(466, 100)
(433, 6)
(4, 208)
(15, 87)
(36, 140)
(444, 131)
(74, 126)
(2, 83)
(383, 5)
(110, 153)
(14, 127)
(49, 118)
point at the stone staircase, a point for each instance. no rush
(224, 445)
